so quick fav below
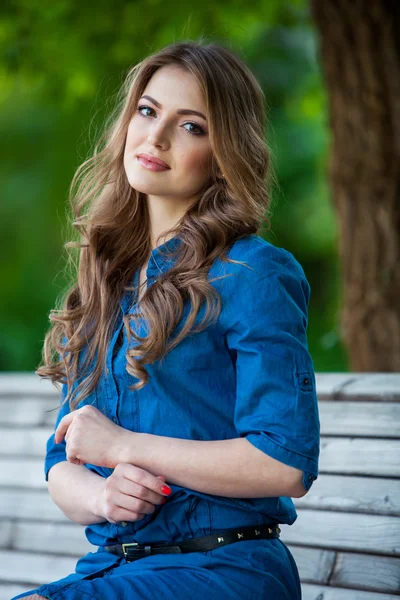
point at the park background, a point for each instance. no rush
(336, 207)
(61, 66)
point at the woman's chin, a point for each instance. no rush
(139, 184)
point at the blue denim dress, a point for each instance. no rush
(249, 374)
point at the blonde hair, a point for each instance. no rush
(115, 227)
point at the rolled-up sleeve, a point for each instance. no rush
(276, 402)
(55, 453)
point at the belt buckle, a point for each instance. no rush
(135, 550)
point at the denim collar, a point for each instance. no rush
(159, 261)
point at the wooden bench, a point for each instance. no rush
(346, 540)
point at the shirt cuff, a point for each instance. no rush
(51, 461)
(288, 457)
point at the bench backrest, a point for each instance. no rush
(346, 540)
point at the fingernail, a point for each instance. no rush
(166, 489)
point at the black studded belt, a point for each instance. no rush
(133, 550)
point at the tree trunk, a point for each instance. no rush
(360, 55)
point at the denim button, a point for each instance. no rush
(124, 523)
(304, 381)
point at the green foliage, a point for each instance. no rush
(61, 65)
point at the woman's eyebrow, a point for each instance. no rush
(180, 111)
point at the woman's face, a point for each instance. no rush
(180, 140)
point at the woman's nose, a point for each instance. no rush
(158, 135)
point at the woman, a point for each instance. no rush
(222, 406)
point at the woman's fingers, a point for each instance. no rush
(131, 488)
(131, 493)
(142, 484)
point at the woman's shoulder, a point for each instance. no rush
(259, 258)
(265, 280)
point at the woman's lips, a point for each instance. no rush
(152, 166)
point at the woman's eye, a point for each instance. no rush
(200, 130)
(141, 107)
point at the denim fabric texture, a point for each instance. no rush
(249, 374)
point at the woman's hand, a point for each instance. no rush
(92, 438)
(128, 494)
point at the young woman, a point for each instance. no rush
(189, 414)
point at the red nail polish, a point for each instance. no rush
(166, 489)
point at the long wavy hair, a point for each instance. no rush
(113, 222)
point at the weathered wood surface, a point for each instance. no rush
(346, 540)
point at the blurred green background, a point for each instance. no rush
(61, 65)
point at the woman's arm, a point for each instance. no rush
(73, 488)
(233, 468)
(128, 494)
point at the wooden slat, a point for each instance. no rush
(336, 492)
(6, 533)
(357, 456)
(360, 456)
(322, 592)
(33, 568)
(375, 573)
(347, 569)
(354, 456)
(347, 493)
(329, 385)
(377, 387)
(329, 492)
(318, 529)
(8, 591)
(29, 411)
(374, 419)
(314, 564)
(35, 505)
(22, 473)
(52, 538)
(25, 384)
(29, 442)
(37, 568)
(376, 534)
